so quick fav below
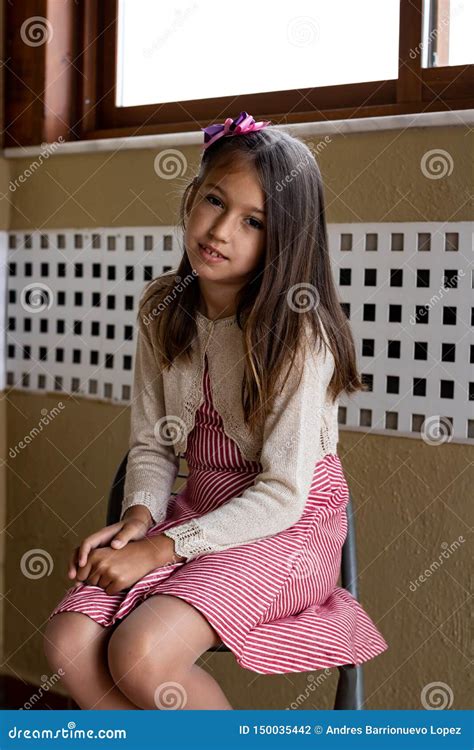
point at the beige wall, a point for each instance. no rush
(409, 497)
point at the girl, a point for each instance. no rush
(240, 359)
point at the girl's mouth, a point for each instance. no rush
(209, 256)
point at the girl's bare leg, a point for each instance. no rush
(152, 654)
(76, 644)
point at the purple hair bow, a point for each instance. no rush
(244, 123)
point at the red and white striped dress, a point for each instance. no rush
(274, 602)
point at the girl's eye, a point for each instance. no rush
(258, 224)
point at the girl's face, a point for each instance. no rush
(227, 213)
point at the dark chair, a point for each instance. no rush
(350, 684)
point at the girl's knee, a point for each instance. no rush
(66, 635)
(136, 658)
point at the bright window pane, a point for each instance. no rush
(177, 50)
(447, 33)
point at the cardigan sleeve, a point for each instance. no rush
(152, 465)
(291, 446)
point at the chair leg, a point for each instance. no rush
(350, 688)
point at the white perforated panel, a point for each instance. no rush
(407, 288)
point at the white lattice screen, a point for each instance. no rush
(407, 288)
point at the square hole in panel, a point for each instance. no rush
(111, 242)
(391, 420)
(446, 388)
(41, 381)
(126, 393)
(111, 273)
(78, 241)
(393, 349)
(471, 391)
(449, 316)
(396, 277)
(393, 384)
(28, 241)
(420, 350)
(12, 241)
(346, 242)
(448, 352)
(93, 387)
(129, 242)
(422, 314)
(368, 346)
(368, 381)
(96, 241)
(61, 241)
(94, 357)
(370, 277)
(59, 354)
(450, 279)
(417, 421)
(167, 242)
(368, 312)
(424, 242)
(108, 390)
(423, 277)
(419, 386)
(61, 270)
(44, 241)
(394, 313)
(96, 270)
(147, 273)
(44, 269)
(451, 241)
(471, 354)
(109, 361)
(75, 385)
(342, 415)
(345, 275)
(58, 383)
(148, 242)
(127, 362)
(371, 242)
(396, 242)
(365, 418)
(129, 273)
(470, 428)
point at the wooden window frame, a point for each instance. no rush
(66, 88)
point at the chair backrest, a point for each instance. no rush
(350, 687)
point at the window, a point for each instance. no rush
(136, 67)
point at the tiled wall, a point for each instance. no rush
(406, 287)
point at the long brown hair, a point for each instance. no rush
(292, 284)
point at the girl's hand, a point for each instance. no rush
(118, 534)
(115, 570)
